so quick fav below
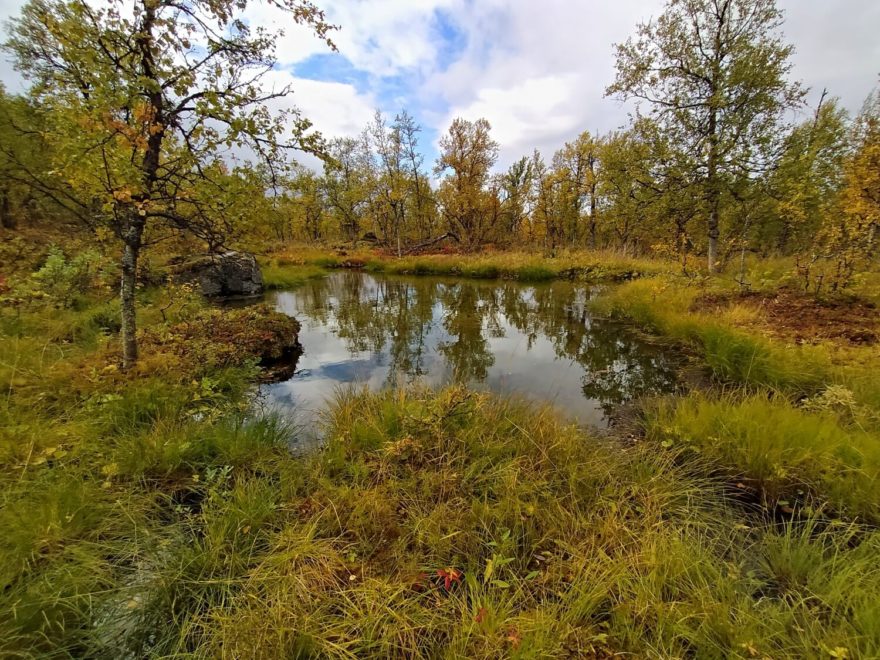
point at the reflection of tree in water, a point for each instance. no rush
(411, 310)
(618, 367)
(467, 350)
(371, 314)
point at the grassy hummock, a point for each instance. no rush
(788, 419)
(459, 525)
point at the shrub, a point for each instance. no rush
(62, 279)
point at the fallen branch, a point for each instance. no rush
(430, 242)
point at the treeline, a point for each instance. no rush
(722, 155)
(630, 189)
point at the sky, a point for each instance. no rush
(537, 70)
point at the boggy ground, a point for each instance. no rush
(153, 514)
(789, 418)
(791, 314)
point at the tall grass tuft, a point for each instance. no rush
(457, 524)
(787, 451)
(431, 523)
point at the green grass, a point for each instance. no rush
(800, 422)
(281, 274)
(786, 451)
(175, 535)
(112, 526)
(564, 545)
(585, 266)
(594, 266)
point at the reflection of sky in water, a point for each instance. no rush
(535, 341)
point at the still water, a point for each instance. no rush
(537, 341)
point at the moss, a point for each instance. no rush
(216, 338)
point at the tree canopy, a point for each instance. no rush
(143, 106)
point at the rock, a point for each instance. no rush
(227, 275)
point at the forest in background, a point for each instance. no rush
(723, 155)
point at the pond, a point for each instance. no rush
(538, 341)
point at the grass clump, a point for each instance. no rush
(801, 425)
(585, 266)
(115, 543)
(535, 273)
(446, 523)
(786, 452)
(64, 542)
(281, 273)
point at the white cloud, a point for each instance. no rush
(9, 77)
(386, 37)
(538, 70)
(836, 46)
(380, 37)
(335, 109)
(296, 43)
(518, 114)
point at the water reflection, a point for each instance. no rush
(539, 341)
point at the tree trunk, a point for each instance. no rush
(131, 252)
(133, 227)
(7, 221)
(713, 191)
(130, 256)
(430, 242)
(712, 170)
(713, 235)
(593, 208)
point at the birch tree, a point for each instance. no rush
(144, 99)
(715, 75)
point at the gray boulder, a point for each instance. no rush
(227, 275)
